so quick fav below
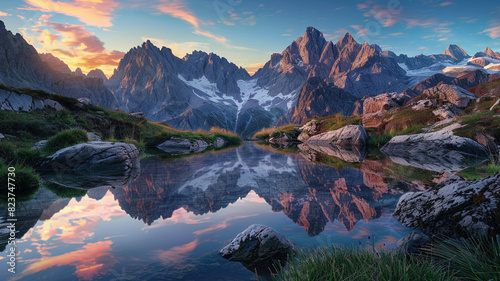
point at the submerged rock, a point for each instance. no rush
(454, 207)
(180, 146)
(439, 151)
(258, 246)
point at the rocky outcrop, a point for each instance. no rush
(93, 158)
(13, 101)
(384, 102)
(180, 146)
(348, 136)
(454, 207)
(259, 246)
(439, 151)
(451, 94)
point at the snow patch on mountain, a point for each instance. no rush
(249, 90)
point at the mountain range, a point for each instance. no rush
(310, 77)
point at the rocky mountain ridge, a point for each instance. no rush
(311, 77)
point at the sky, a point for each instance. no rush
(97, 33)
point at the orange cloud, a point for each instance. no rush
(90, 12)
(177, 254)
(91, 261)
(178, 10)
(3, 14)
(76, 46)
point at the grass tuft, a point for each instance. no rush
(65, 139)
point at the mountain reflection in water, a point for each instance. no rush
(171, 221)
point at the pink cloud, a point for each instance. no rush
(178, 9)
(90, 12)
(447, 3)
(493, 32)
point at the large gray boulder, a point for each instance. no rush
(454, 207)
(181, 146)
(439, 151)
(348, 136)
(94, 158)
(258, 246)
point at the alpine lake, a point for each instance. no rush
(172, 219)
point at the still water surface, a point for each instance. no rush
(170, 223)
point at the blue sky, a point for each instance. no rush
(96, 33)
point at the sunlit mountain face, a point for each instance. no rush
(176, 215)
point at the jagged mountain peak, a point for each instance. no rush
(310, 45)
(488, 50)
(97, 73)
(55, 63)
(455, 52)
(2, 27)
(347, 39)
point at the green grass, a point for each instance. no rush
(7, 151)
(336, 263)
(407, 121)
(337, 121)
(26, 182)
(475, 258)
(378, 141)
(277, 132)
(65, 139)
(445, 259)
(493, 169)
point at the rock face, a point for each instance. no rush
(455, 52)
(438, 151)
(179, 146)
(93, 158)
(451, 94)
(258, 246)
(13, 101)
(454, 207)
(55, 63)
(97, 73)
(348, 136)
(318, 98)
